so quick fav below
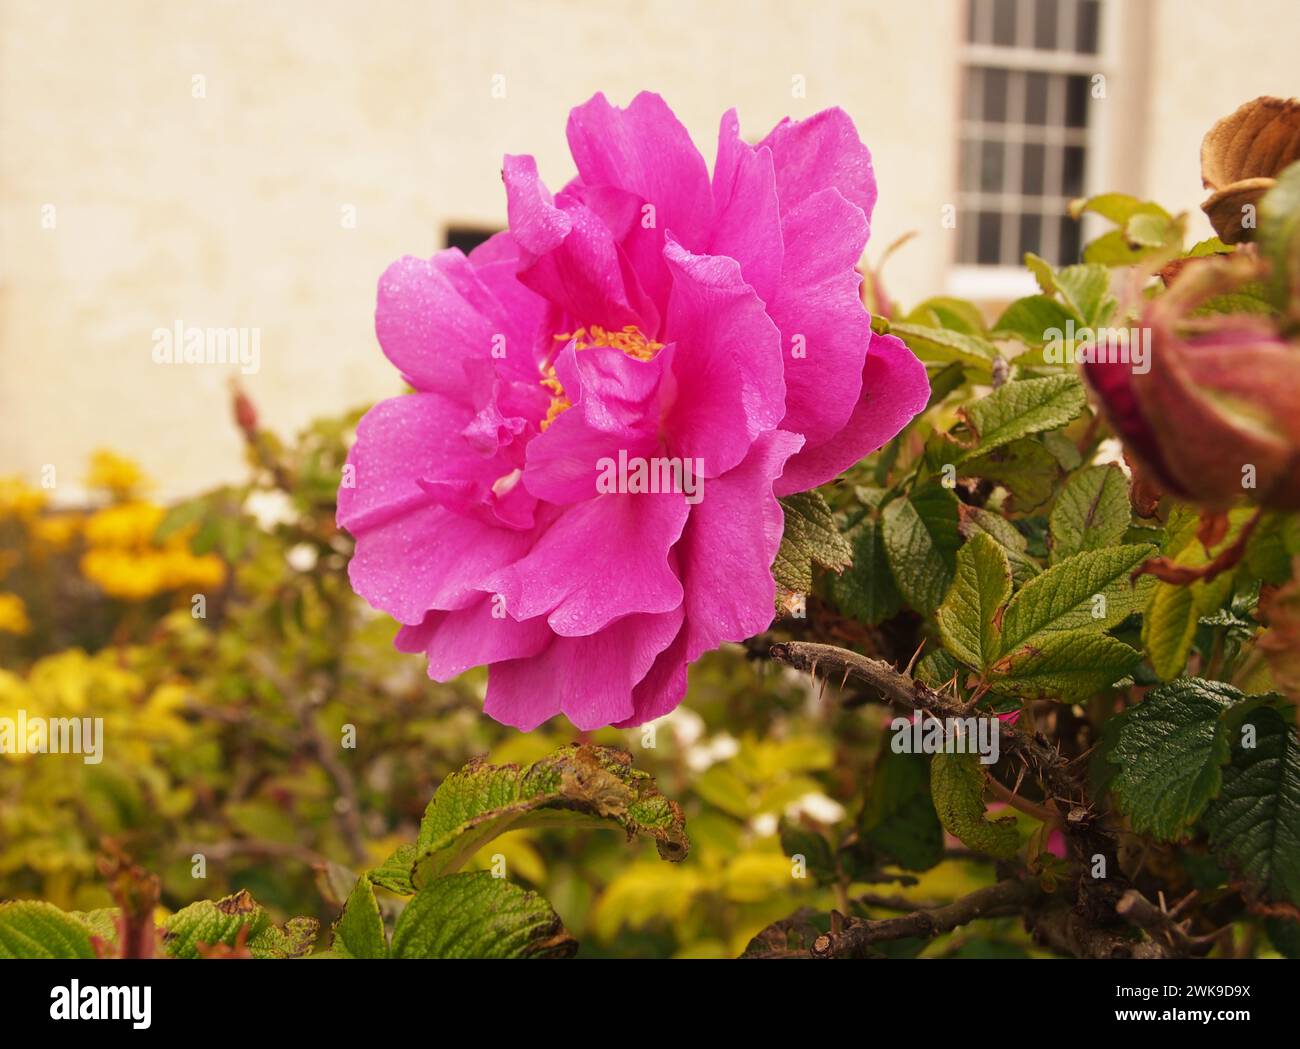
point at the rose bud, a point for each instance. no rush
(1213, 411)
(1241, 157)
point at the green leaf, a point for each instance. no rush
(1117, 207)
(1279, 238)
(866, 589)
(898, 818)
(968, 617)
(1065, 665)
(1019, 409)
(943, 311)
(975, 520)
(810, 537)
(474, 915)
(394, 874)
(1085, 289)
(1026, 468)
(1254, 824)
(1170, 750)
(818, 856)
(957, 786)
(580, 785)
(942, 345)
(31, 929)
(210, 923)
(101, 922)
(1172, 612)
(359, 932)
(921, 540)
(1029, 319)
(1091, 513)
(1090, 590)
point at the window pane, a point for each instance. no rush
(970, 107)
(1004, 22)
(1045, 25)
(995, 96)
(1032, 169)
(1072, 172)
(970, 165)
(990, 238)
(966, 239)
(1036, 88)
(1076, 101)
(1089, 17)
(1069, 251)
(1031, 234)
(992, 166)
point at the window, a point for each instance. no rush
(467, 238)
(1027, 128)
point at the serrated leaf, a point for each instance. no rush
(394, 874)
(1063, 665)
(898, 818)
(975, 520)
(921, 540)
(1028, 320)
(942, 345)
(101, 922)
(1019, 409)
(1170, 750)
(474, 915)
(866, 590)
(1089, 591)
(1085, 290)
(211, 922)
(1026, 468)
(1091, 513)
(1172, 612)
(578, 786)
(810, 537)
(359, 932)
(944, 311)
(957, 787)
(32, 929)
(1254, 824)
(968, 618)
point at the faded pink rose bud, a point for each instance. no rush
(1213, 414)
(1241, 157)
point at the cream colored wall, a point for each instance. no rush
(226, 210)
(1209, 56)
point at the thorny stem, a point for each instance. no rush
(1095, 926)
(1052, 769)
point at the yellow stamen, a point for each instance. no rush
(630, 340)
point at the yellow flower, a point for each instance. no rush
(19, 500)
(13, 615)
(54, 534)
(117, 475)
(125, 561)
(124, 526)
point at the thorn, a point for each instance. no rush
(912, 662)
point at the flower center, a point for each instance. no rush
(630, 340)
